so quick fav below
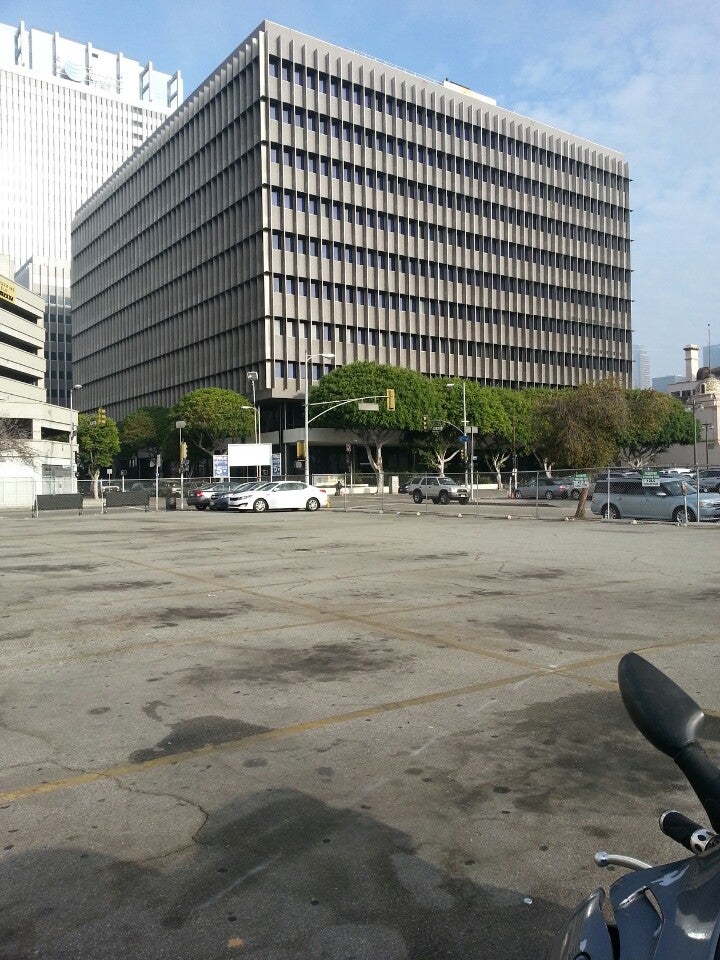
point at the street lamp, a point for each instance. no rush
(252, 378)
(706, 427)
(692, 403)
(449, 386)
(308, 374)
(179, 424)
(73, 431)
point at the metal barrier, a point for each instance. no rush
(58, 501)
(131, 498)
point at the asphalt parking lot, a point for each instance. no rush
(338, 735)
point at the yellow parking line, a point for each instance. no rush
(279, 733)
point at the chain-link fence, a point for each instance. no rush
(678, 496)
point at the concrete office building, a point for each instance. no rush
(50, 279)
(307, 199)
(46, 430)
(70, 114)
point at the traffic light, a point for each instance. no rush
(424, 421)
(389, 399)
(101, 417)
(183, 451)
(300, 449)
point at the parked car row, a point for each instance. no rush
(259, 496)
(673, 498)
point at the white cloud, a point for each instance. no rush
(642, 80)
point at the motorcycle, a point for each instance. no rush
(668, 912)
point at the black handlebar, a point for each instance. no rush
(691, 835)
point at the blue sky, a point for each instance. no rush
(640, 76)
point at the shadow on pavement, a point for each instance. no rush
(276, 876)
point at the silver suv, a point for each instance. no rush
(627, 497)
(437, 489)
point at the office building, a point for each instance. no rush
(663, 384)
(70, 114)
(308, 200)
(50, 279)
(641, 368)
(699, 392)
(45, 429)
(711, 355)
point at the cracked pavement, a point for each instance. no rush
(333, 736)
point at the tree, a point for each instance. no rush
(435, 447)
(415, 398)
(148, 428)
(655, 421)
(213, 416)
(15, 440)
(492, 416)
(98, 445)
(579, 428)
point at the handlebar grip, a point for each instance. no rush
(685, 831)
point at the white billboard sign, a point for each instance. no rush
(250, 454)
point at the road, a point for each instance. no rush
(333, 735)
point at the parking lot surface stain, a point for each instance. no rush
(323, 661)
(195, 733)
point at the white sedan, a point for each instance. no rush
(279, 495)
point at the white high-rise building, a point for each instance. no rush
(641, 368)
(70, 115)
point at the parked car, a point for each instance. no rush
(669, 500)
(279, 495)
(437, 489)
(199, 497)
(545, 488)
(219, 499)
(710, 480)
(410, 484)
(165, 487)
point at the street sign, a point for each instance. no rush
(277, 465)
(221, 468)
(650, 478)
(368, 406)
(580, 480)
(463, 438)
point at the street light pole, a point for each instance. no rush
(707, 427)
(252, 378)
(73, 431)
(450, 386)
(465, 442)
(308, 374)
(179, 424)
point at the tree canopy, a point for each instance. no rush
(98, 444)
(655, 421)
(580, 427)
(15, 440)
(415, 397)
(148, 428)
(213, 416)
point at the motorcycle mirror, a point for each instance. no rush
(663, 713)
